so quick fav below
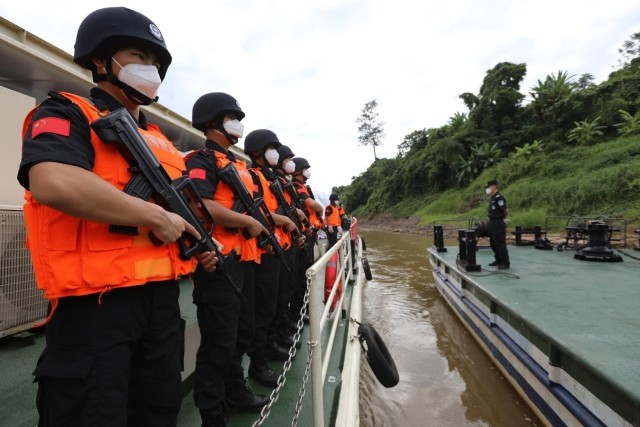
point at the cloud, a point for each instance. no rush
(305, 70)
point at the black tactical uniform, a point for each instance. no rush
(498, 229)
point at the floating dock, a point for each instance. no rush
(564, 332)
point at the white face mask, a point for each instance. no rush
(488, 191)
(306, 173)
(290, 167)
(143, 78)
(272, 156)
(234, 127)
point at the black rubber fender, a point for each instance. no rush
(364, 245)
(366, 268)
(378, 356)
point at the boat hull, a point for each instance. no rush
(560, 382)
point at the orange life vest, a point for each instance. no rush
(311, 214)
(332, 215)
(73, 256)
(232, 239)
(271, 202)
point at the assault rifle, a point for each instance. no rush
(151, 180)
(257, 209)
(311, 229)
(295, 198)
(289, 210)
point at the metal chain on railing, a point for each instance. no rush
(273, 398)
(305, 378)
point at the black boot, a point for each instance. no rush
(239, 397)
(277, 352)
(287, 341)
(211, 420)
(292, 326)
(261, 372)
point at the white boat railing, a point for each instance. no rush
(322, 316)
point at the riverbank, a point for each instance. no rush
(409, 225)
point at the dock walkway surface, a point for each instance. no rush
(584, 315)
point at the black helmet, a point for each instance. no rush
(283, 152)
(301, 163)
(212, 106)
(259, 139)
(112, 28)
(333, 197)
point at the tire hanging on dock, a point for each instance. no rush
(365, 261)
(378, 356)
(366, 268)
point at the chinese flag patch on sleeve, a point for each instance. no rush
(54, 125)
(197, 173)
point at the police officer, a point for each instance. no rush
(332, 219)
(226, 319)
(114, 333)
(273, 272)
(498, 220)
(313, 210)
(284, 323)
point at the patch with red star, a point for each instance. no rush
(54, 125)
(197, 173)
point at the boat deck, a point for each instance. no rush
(581, 315)
(19, 354)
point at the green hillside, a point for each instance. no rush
(569, 147)
(602, 180)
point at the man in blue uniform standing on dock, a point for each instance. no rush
(498, 220)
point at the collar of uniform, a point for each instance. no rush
(212, 145)
(113, 104)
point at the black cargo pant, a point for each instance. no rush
(267, 284)
(226, 331)
(285, 293)
(113, 359)
(498, 240)
(332, 238)
(305, 260)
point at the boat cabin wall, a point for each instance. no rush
(13, 108)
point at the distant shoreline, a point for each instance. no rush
(406, 225)
(411, 226)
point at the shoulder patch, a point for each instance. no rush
(197, 173)
(55, 125)
(500, 202)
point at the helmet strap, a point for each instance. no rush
(133, 95)
(220, 128)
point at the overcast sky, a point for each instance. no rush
(305, 69)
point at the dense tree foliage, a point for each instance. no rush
(500, 131)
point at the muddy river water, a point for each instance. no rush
(445, 377)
